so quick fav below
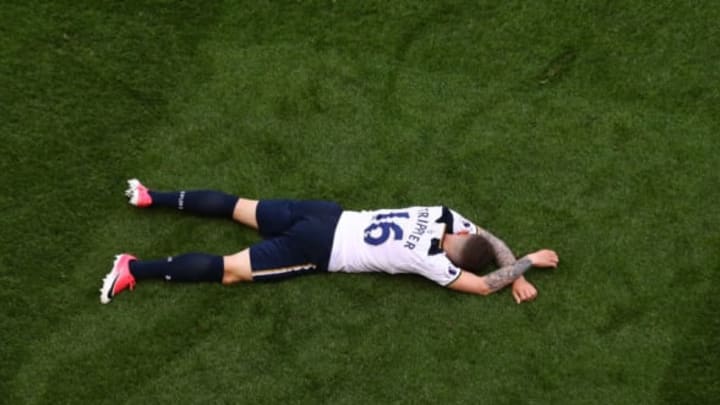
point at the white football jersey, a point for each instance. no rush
(404, 240)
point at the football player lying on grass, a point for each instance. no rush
(301, 237)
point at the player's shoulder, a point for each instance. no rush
(440, 269)
(413, 209)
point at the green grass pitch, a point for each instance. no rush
(588, 127)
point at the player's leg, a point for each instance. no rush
(245, 212)
(237, 268)
(299, 238)
(269, 260)
(274, 218)
(304, 247)
(209, 203)
(272, 259)
(189, 267)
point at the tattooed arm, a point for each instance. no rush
(506, 275)
(522, 290)
(503, 255)
(485, 285)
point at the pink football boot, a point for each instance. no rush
(138, 194)
(119, 278)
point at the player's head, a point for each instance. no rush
(474, 253)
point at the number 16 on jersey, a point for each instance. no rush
(387, 229)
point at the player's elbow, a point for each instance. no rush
(483, 290)
(470, 283)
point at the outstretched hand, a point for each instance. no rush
(544, 258)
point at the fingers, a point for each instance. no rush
(550, 258)
(528, 296)
(532, 295)
(524, 295)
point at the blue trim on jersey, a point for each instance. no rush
(446, 218)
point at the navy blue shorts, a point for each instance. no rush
(298, 238)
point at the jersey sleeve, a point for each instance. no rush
(461, 224)
(440, 269)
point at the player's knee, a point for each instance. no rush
(230, 278)
(237, 268)
(245, 212)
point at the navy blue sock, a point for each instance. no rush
(201, 202)
(187, 267)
